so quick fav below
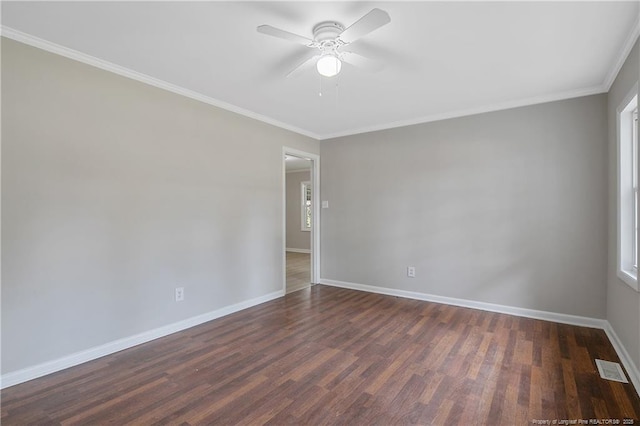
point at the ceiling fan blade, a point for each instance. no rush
(368, 23)
(306, 64)
(276, 32)
(361, 61)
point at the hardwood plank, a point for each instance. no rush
(325, 355)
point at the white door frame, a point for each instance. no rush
(315, 216)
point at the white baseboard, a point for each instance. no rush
(29, 373)
(503, 309)
(297, 250)
(627, 361)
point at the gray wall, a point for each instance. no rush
(507, 207)
(113, 194)
(623, 303)
(296, 239)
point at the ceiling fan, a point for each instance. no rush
(329, 38)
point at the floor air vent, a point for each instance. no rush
(611, 371)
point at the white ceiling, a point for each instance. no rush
(442, 59)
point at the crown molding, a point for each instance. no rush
(622, 56)
(48, 46)
(474, 111)
(57, 49)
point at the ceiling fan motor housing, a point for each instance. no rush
(327, 32)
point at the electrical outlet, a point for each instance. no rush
(411, 271)
(179, 294)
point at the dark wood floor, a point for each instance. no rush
(331, 356)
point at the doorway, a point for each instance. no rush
(300, 208)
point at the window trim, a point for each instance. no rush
(626, 205)
(303, 208)
(634, 186)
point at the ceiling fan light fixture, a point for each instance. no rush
(329, 65)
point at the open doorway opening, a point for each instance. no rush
(300, 220)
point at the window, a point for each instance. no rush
(628, 190)
(305, 220)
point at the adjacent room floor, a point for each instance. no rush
(298, 271)
(326, 355)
